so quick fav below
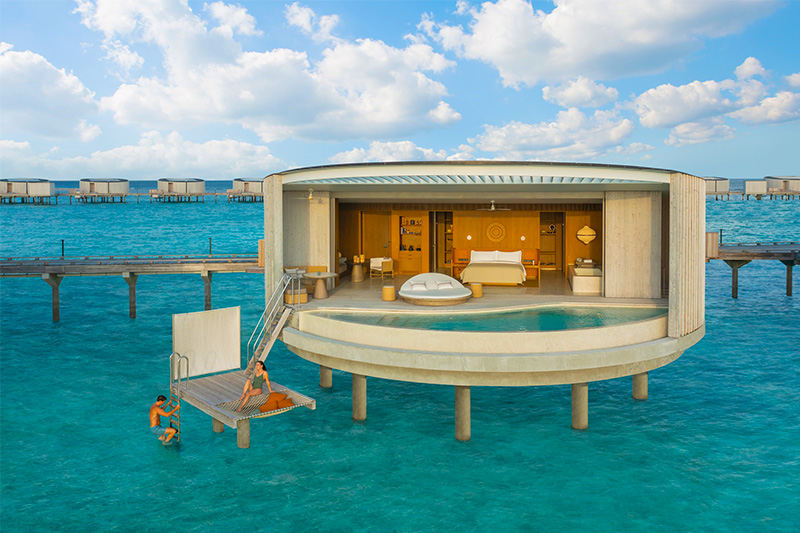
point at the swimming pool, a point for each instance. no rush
(539, 319)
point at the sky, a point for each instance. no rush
(147, 89)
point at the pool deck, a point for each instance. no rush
(553, 289)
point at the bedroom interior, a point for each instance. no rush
(441, 237)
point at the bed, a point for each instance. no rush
(494, 268)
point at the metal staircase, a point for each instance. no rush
(273, 319)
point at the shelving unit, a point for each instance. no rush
(413, 245)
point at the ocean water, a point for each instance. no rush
(547, 319)
(715, 448)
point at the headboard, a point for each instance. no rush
(529, 255)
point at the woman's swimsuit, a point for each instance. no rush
(258, 381)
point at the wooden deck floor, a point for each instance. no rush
(207, 393)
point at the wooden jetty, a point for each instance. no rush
(54, 269)
(736, 255)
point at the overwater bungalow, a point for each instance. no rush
(783, 183)
(246, 190)
(92, 190)
(180, 189)
(574, 273)
(27, 190)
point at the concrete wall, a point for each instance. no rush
(195, 187)
(118, 187)
(632, 244)
(308, 229)
(687, 254)
(273, 233)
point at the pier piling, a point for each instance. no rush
(640, 386)
(580, 405)
(463, 414)
(207, 285)
(325, 377)
(131, 278)
(359, 397)
(789, 264)
(54, 281)
(735, 264)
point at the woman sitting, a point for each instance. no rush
(253, 388)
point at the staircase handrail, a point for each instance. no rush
(273, 307)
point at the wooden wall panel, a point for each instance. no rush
(349, 236)
(575, 220)
(376, 227)
(632, 264)
(516, 224)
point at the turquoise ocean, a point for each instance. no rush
(715, 448)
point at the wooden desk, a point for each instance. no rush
(320, 290)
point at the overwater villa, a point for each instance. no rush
(542, 274)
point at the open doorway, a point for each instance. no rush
(441, 242)
(551, 241)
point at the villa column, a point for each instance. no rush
(640, 386)
(243, 433)
(325, 377)
(207, 286)
(217, 426)
(273, 233)
(580, 405)
(359, 397)
(131, 278)
(54, 281)
(463, 413)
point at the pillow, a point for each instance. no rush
(442, 285)
(482, 257)
(511, 257)
(418, 286)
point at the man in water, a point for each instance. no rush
(156, 412)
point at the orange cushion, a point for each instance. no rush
(276, 397)
(285, 403)
(269, 406)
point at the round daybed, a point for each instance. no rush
(434, 289)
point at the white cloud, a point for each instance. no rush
(667, 105)
(154, 156)
(712, 129)
(444, 114)
(573, 135)
(782, 107)
(793, 79)
(319, 28)
(389, 151)
(88, 131)
(39, 98)
(580, 92)
(751, 67)
(357, 89)
(232, 18)
(602, 40)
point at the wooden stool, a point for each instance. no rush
(388, 293)
(477, 290)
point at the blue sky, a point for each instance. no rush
(152, 88)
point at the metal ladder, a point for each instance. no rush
(175, 360)
(273, 319)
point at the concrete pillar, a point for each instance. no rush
(54, 281)
(640, 386)
(580, 405)
(273, 233)
(207, 285)
(789, 264)
(359, 397)
(217, 426)
(131, 278)
(243, 433)
(325, 377)
(463, 413)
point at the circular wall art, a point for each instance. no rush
(496, 232)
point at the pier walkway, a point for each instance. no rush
(736, 255)
(54, 269)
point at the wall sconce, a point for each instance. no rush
(522, 238)
(469, 237)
